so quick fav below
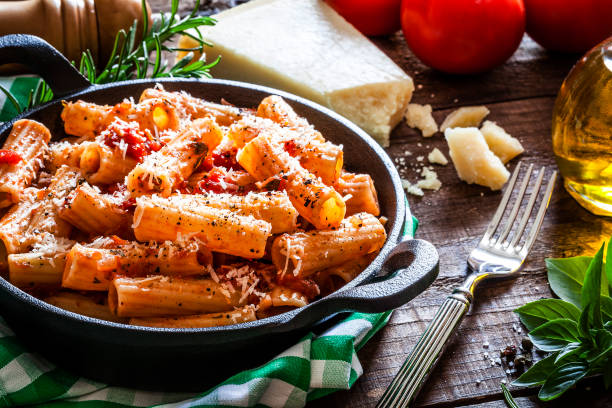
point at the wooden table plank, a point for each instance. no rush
(520, 95)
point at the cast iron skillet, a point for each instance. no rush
(192, 359)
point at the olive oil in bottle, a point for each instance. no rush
(582, 130)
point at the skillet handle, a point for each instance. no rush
(44, 60)
(406, 272)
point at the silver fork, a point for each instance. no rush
(495, 257)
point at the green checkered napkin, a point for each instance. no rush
(314, 367)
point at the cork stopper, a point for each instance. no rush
(72, 26)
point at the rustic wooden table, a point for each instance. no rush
(520, 95)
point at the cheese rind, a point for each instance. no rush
(467, 116)
(500, 142)
(305, 47)
(419, 116)
(473, 160)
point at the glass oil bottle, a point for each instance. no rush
(582, 130)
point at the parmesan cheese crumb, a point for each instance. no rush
(473, 160)
(467, 116)
(419, 116)
(430, 180)
(437, 157)
(412, 188)
(500, 142)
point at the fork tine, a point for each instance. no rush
(516, 207)
(502, 205)
(537, 223)
(525, 219)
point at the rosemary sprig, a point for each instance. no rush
(135, 59)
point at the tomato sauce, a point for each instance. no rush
(139, 143)
(9, 157)
(225, 158)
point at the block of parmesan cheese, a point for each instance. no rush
(473, 160)
(467, 116)
(306, 48)
(500, 142)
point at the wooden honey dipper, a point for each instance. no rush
(72, 26)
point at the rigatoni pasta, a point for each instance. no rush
(22, 157)
(161, 172)
(174, 211)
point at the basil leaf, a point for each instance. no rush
(508, 397)
(569, 352)
(561, 379)
(555, 334)
(606, 309)
(537, 373)
(590, 297)
(536, 313)
(565, 276)
(603, 349)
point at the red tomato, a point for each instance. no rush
(463, 36)
(371, 17)
(569, 25)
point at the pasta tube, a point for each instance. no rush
(161, 219)
(15, 222)
(195, 108)
(66, 153)
(273, 207)
(323, 159)
(347, 271)
(102, 164)
(281, 296)
(304, 253)
(246, 314)
(87, 120)
(359, 188)
(163, 170)
(85, 305)
(30, 141)
(275, 108)
(320, 204)
(92, 268)
(164, 296)
(46, 220)
(36, 269)
(93, 212)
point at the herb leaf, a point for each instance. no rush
(536, 313)
(591, 294)
(555, 334)
(537, 374)
(569, 352)
(603, 349)
(565, 276)
(606, 309)
(562, 378)
(508, 397)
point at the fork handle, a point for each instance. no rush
(423, 358)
